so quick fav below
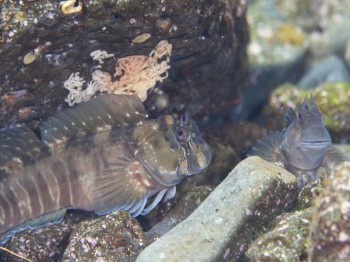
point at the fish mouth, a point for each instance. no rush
(315, 144)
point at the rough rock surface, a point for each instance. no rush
(287, 241)
(115, 237)
(40, 46)
(330, 233)
(246, 199)
(44, 244)
(183, 208)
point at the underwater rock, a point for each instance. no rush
(287, 241)
(242, 135)
(43, 244)
(183, 208)
(208, 38)
(115, 237)
(330, 233)
(328, 70)
(220, 228)
(279, 29)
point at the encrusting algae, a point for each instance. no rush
(135, 75)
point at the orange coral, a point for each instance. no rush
(135, 75)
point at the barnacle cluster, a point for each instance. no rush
(71, 7)
(134, 75)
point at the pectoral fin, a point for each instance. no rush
(334, 156)
(268, 147)
(123, 186)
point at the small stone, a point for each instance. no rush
(29, 58)
(163, 24)
(141, 38)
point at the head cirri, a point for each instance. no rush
(173, 150)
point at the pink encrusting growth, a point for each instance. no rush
(134, 75)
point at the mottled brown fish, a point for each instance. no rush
(100, 156)
(303, 147)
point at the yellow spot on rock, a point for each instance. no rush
(71, 7)
(289, 34)
(141, 38)
(29, 58)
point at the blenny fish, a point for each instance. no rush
(100, 156)
(303, 147)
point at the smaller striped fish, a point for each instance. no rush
(100, 156)
(303, 147)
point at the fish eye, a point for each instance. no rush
(181, 134)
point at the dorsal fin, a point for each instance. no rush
(289, 117)
(102, 112)
(19, 146)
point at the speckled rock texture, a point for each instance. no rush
(41, 245)
(230, 217)
(115, 237)
(287, 241)
(40, 46)
(184, 207)
(330, 232)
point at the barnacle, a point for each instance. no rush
(141, 38)
(71, 7)
(29, 58)
(135, 75)
(100, 55)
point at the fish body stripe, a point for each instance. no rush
(100, 156)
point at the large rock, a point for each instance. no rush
(330, 233)
(42, 43)
(287, 241)
(244, 203)
(43, 244)
(115, 237)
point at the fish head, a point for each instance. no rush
(306, 140)
(174, 150)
